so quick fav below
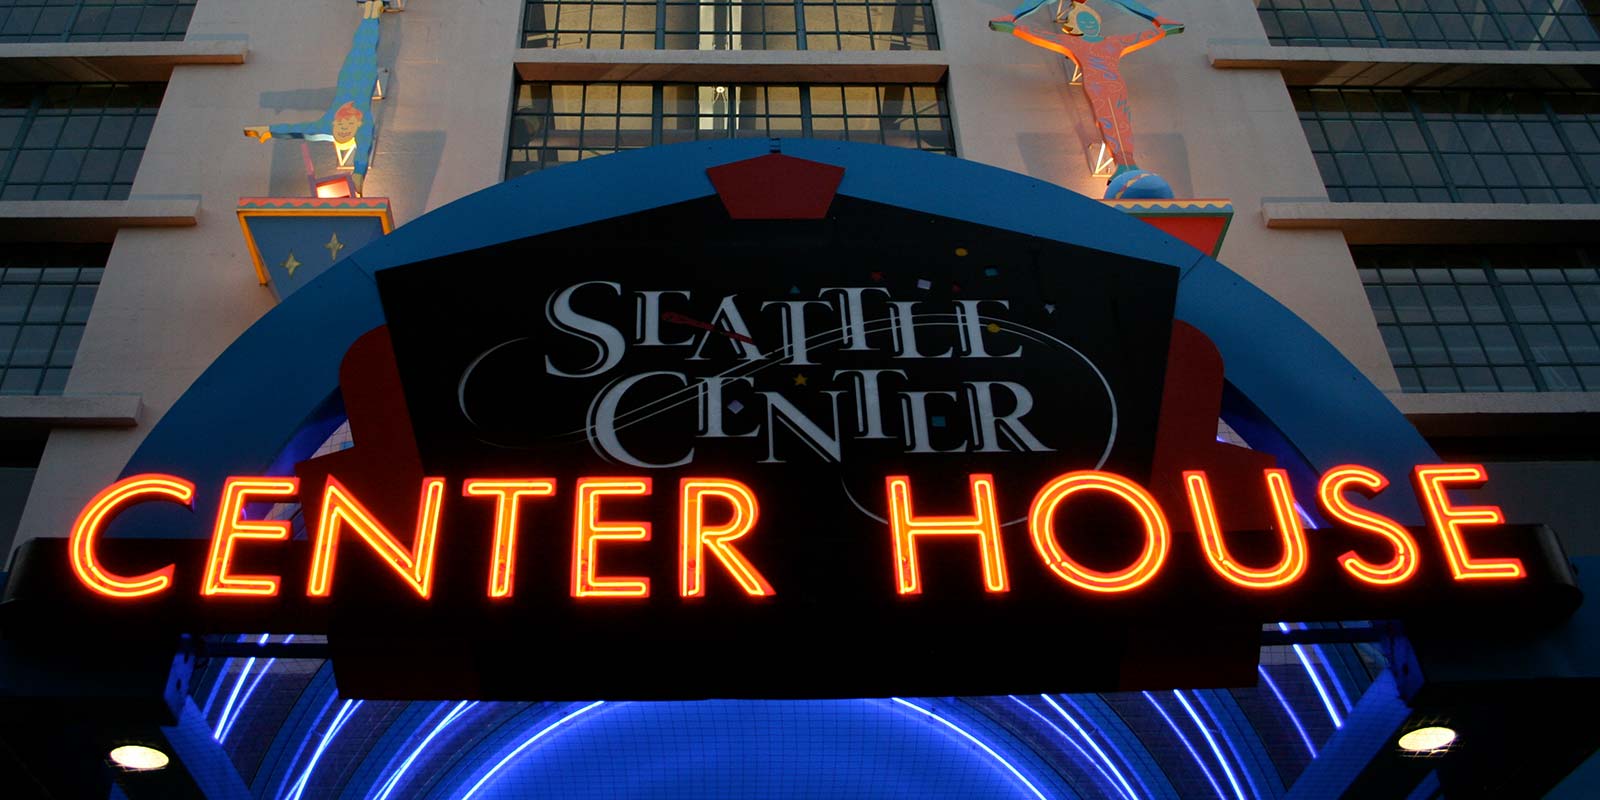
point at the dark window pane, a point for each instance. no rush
(37, 292)
(1487, 318)
(559, 123)
(720, 25)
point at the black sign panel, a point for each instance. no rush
(809, 359)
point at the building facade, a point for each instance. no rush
(1419, 182)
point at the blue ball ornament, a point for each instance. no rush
(1138, 184)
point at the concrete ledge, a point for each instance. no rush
(71, 411)
(91, 220)
(1403, 67)
(112, 61)
(742, 66)
(1437, 223)
(1525, 421)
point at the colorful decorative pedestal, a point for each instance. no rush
(1198, 223)
(292, 240)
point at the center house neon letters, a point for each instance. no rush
(716, 514)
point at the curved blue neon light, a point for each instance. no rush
(1187, 745)
(525, 745)
(1293, 717)
(969, 737)
(216, 685)
(1094, 716)
(1090, 740)
(1227, 740)
(1212, 741)
(1333, 674)
(227, 708)
(250, 692)
(1106, 776)
(345, 712)
(456, 713)
(1316, 680)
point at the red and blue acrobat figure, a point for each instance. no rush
(1099, 58)
(349, 123)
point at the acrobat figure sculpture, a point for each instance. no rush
(1099, 58)
(349, 123)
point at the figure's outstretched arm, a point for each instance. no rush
(318, 131)
(1062, 45)
(1163, 28)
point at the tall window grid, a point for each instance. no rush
(1431, 24)
(74, 141)
(731, 24)
(1487, 319)
(559, 123)
(93, 20)
(1465, 146)
(45, 294)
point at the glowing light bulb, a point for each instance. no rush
(138, 758)
(1431, 739)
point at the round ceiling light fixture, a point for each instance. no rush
(1432, 739)
(138, 758)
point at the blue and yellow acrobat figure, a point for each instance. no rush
(349, 123)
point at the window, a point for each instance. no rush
(45, 294)
(1432, 24)
(1487, 319)
(731, 24)
(73, 141)
(559, 123)
(1469, 146)
(93, 20)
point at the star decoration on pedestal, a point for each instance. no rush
(290, 264)
(333, 247)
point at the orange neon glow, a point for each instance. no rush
(236, 492)
(984, 524)
(340, 506)
(92, 520)
(694, 537)
(1448, 520)
(1287, 570)
(1330, 493)
(588, 532)
(1041, 527)
(508, 496)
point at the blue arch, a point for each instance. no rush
(281, 373)
(279, 380)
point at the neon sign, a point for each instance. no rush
(702, 543)
(889, 454)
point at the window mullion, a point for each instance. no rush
(1514, 324)
(800, 25)
(1433, 146)
(1499, 25)
(1377, 28)
(658, 106)
(22, 134)
(1589, 182)
(805, 110)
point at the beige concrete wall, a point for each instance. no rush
(173, 299)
